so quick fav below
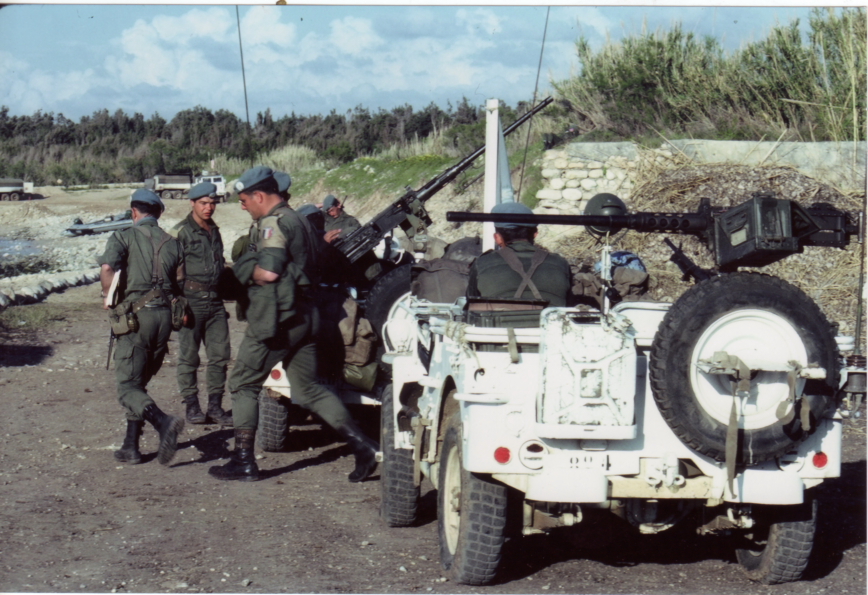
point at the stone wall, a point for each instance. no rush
(578, 171)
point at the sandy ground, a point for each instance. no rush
(74, 520)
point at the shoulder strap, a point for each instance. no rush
(157, 272)
(509, 256)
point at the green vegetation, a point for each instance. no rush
(672, 83)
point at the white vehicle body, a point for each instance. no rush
(574, 412)
(216, 179)
(607, 442)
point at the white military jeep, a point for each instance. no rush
(726, 401)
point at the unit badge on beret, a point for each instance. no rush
(239, 185)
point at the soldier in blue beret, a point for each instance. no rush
(337, 220)
(202, 244)
(278, 271)
(152, 265)
(518, 269)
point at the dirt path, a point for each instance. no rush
(73, 520)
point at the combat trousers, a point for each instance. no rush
(138, 357)
(210, 325)
(294, 346)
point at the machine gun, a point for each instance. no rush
(759, 231)
(409, 212)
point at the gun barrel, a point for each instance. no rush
(688, 223)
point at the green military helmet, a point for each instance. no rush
(604, 204)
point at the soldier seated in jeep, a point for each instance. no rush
(518, 269)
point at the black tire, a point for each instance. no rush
(388, 291)
(4, 196)
(275, 417)
(14, 196)
(471, 515)
(774, 317)
(166, 195)
(399, 496)
(781, 551)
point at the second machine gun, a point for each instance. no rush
(408, 212)
(757, 232)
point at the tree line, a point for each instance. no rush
(117, 147)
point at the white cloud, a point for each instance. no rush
(480, 21)
(261, 25)
(354, 36)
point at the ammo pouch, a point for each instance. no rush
(179, 313)
(122, 319)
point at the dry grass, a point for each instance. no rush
(829, 276)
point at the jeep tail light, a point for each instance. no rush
(275, 374)
(820, 460)
(502, 455)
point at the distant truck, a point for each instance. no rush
(177, 186)
(15, 189)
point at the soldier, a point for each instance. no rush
(337, 218)
(517, 268)
(202, 244)
(152, 266)
(283, 323)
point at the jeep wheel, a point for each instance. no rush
(384, 303)
(780, 550)
(756, 318)
(276, 414)
(471, 515)
(399, 496)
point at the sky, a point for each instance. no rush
(77, 59)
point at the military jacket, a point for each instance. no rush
(284, 247)
(203, 252)
(492, 277)
(131, 250)
(346, 223)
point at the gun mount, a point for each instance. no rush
(757, 232)
(408, 212)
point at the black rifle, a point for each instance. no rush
(760, 231)
(409, 212)
(688, 267)
(111, 344)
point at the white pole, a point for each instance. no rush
(492, 185)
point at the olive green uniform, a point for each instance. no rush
(346, 223)
(204, 262)
(139, 355)
(283, 322)
(492, 277)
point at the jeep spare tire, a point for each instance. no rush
(770, 326)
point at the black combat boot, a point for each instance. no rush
(129, 452)
(168, 427)
(215, 411)
(242, 464)
(194, 412)
(364, 449)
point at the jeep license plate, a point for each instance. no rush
(589, 460)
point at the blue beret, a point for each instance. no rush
(147, 196)
(252, 177)
(329, 202)
(512, 208)
(283, 181)
(201, 190)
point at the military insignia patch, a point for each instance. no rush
(267, 233)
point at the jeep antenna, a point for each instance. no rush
(244, 80)
(535, 88)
